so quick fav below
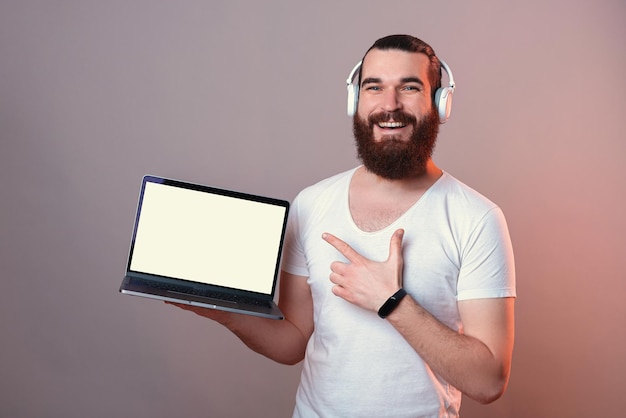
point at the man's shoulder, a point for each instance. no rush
(457, 191)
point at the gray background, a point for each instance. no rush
(251, 95)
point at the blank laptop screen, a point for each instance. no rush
(210, 238)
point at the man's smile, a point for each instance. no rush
(391, 125)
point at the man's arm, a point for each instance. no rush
(282, 341)
(477, 361)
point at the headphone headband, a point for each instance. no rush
(353, 73)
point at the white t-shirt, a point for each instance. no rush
(456, 246)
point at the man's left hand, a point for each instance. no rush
(364, 282)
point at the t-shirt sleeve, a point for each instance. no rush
(487, 266)
(293, 258)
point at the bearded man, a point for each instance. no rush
(398, 281)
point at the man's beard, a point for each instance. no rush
(392, 158)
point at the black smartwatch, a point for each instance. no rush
(391, 303)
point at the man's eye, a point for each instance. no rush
(373, 88)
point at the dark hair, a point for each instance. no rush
(408, 43)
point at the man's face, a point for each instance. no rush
(395, 126)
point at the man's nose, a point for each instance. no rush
(390, 100)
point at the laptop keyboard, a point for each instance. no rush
(201, 292)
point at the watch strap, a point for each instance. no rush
(391, 303)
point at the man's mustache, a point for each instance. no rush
(396, 116)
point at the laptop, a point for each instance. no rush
(208, 247)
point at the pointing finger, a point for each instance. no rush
(342, 247)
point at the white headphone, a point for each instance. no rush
(443, 95)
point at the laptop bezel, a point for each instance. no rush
(149, 178)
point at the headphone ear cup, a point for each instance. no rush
(443, 100)
(353, 98)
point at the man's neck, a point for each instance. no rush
(418, 182)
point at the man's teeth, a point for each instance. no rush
(390, 124)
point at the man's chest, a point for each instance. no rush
(371, 212)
